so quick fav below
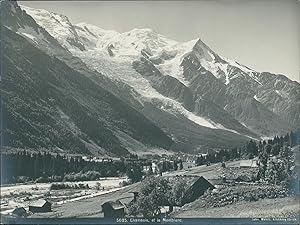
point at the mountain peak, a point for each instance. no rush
(142, 34)
(8, 7)
(93, 28)
(201, 45)
(199, 41)
(8, 2)
(142, 30)
(58, 26)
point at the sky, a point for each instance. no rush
(261, 34)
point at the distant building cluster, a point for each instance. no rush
(39, 206)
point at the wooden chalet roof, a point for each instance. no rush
(39, 203)
(114, 204)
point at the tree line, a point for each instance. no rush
(250, 150)
(24, 166)
(275, 159)
(276, 165)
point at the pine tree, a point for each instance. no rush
(175, 166)
(198, 161)
(268, 149)
(150, 171)
(275, 149)
(180, 165)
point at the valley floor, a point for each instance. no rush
(22, 195)
(272, 201)
(287, 207)
(226, 201)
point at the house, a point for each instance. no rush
(251, 163)
(154, 167)
(40, 206)
(146, 168)
(20, 212)
(135, 195)
(113, 209)
(195, 186)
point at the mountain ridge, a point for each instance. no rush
(167, 57)
(197, 98)
(48, 105)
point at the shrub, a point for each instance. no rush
(41, 180)
(98, 186)
(291, 184)
(82, 176)
(125, 183)
(22, 179)
(251, 197)
(59, 186)
(55, 178)
(154, 192)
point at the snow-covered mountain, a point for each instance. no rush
(167, 56)
(58, 26)
(49, 105)
(197, 97)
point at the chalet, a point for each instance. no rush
(251, 163)
(135, 195)
(154, 167)
(146, 168)
(20, 212)
(195, 186)
(113, 209)
(40, 206)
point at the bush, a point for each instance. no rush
(59, 186)
(243, 178)
(86, 176)
(41, 180)
(154, 192)
(47, 194)
(251, 197)
(55, 178)
(232, 194)
(125, 183)
(83, 186)
(291, 184)
(22, 179)
(98, 186)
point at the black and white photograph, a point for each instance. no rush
(143, 111)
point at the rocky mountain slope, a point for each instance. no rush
(183, 61)
(199, 99)
(49, 105)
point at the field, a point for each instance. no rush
(209, 172)
(90, 207)
(24, 194)
(287, 207)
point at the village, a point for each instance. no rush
(195, 187)
(169, 186)
(197, 181)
